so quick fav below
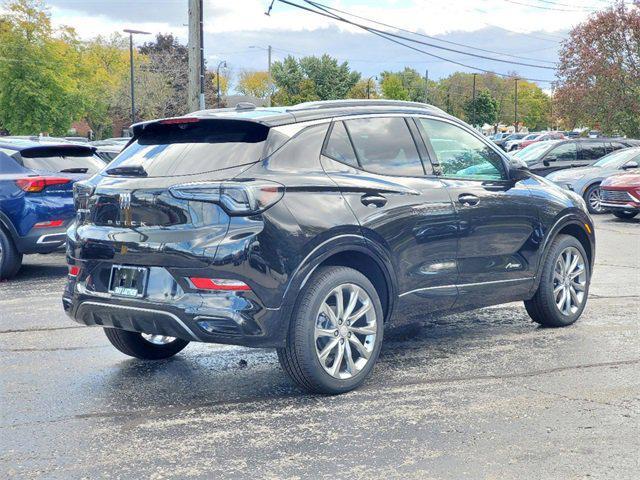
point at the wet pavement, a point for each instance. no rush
(481, 395)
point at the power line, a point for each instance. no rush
(317, 4)
(547, 8)
(388, 36)
(371, 29)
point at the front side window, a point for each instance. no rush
(565, 152)
(385, 146)
(461, 154)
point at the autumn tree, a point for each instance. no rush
(39, 81)
(599, 72)
(392, 87)
(254, 84)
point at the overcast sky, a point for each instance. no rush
(534, 29)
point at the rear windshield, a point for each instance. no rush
(192, 148)
(89, 163)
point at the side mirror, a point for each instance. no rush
(518, 169)
(630, 165)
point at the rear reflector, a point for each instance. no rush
(49, 224)
(38, 184)
(218, 284)
(74, 270)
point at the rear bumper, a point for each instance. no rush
(213, 318)
(42, 240)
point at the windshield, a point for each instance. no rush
(532, 152)
(532, 136)
(190, 148)
(615, 159)
(65, 163)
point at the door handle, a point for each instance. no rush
(373, 199)
(468, 199)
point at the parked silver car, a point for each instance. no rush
(586, 180)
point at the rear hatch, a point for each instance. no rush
(127, 214)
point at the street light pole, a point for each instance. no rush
(133, 91)
(369, 85)
(223, 63)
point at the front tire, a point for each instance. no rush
(625, 214)
(593, 199)
(564, 284)
(10, 258)
(336, 332)
(144, 346)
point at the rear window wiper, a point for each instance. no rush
(133, 170)
(75, 170)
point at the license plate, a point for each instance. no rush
(128, 281)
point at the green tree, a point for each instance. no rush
(312, 78)
(392, 87)
(412, 83)
(39, 86)
(482, 110)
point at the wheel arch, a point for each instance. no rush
(357, 254)
(575, 226)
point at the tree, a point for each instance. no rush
(364, 89)
(254, 84)
(413, 84)
(39, 87)
(599, 72)
(483, 110)
(392, 87)
(312, 78)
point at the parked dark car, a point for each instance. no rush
(543, 158)
(309, 228)
(36, 197)
(621, 194)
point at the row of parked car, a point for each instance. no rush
(582, 165)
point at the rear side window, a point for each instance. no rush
(192, 148)
(592, 151)
(385, 146)
(339, 146)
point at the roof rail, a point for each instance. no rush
(359, 103)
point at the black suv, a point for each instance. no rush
(309, 228)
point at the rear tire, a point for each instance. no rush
(332, 349)
(549, 307)
(624, 214)
(135, 345)
(10, 258)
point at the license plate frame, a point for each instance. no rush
(128, 281)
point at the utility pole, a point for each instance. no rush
(133, 90)
(515, 119)
(369, 85)
(195, 91)
(426, 86)
(473, 103)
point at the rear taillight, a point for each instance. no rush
(38, 184)
(235, 197)
(223, 284)
(74, 270)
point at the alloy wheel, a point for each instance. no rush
(569, 281)
(157, 339)
(595, 200)
(345, 331)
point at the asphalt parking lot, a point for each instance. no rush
(481, 395)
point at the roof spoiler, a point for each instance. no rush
(57, 149)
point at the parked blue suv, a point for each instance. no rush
(36, 196)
